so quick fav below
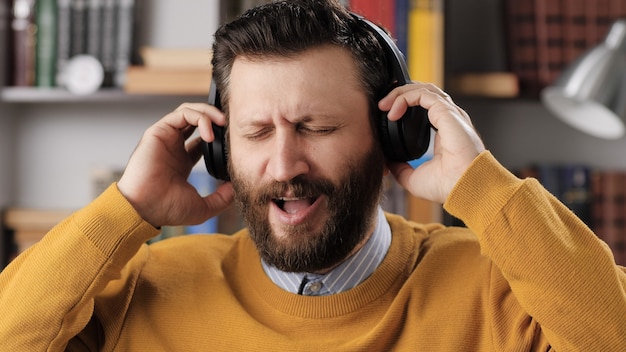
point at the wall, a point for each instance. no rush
(520, 132)
(48, 150)
(59, 146)
(179, 23)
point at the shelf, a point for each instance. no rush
(60, 95)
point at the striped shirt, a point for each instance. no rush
(347, 275)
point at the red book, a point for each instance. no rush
(381, 12)
(550, 40)
(24, 39)
(609, 211)
(604, 18)
(522, 51)
(574, 37)
(591, 10)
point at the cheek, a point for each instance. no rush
(243, 163)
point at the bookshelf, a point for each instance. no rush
(17, 95)
(50, 140)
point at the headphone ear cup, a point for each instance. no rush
(407, 138)
(216, 153)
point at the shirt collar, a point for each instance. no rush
(346, 275)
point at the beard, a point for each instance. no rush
(351, 205)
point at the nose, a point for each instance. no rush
(288, 159)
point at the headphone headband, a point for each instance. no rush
(395, 57)
(402, 140)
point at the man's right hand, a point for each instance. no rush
(155, 179)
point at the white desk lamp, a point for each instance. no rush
(590, 94)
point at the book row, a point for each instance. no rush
(545, 36)
(598, 197)
(45, 35)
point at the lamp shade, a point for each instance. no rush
(590, 94)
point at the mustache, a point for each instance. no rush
(299, 187)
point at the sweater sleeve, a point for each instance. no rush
(47, 293)
(560, 272)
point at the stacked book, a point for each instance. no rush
(170, 71)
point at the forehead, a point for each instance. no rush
(323, 71)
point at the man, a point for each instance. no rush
(321, 267)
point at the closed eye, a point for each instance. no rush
(315, 130)
(259, 134)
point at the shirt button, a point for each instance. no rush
(315, 287)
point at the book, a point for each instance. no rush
(29, 226)
(144, 80)
(380, 12)
(425, 61)
(574, 37)
(176, 58)
(23, 39)
(603, 19)
(609, 210)
(94, 28)
(522, 39)
(575, 190)
(401, 30)
(124, 40)
(78, 35)
(45, 53)
(108, 40)
(549, 41)
(571, 183)
(63, 40)
(425, 41)
(485, 84)
(5, 46)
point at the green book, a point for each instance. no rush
(45, 54)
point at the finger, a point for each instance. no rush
(182, 118)
(400, 98)
(217, 115)
(416, 97)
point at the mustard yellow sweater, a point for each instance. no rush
(529, 275)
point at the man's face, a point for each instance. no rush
(306, 169)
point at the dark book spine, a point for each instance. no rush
(549, 32)
(124, 42)
(401, 25)
(64, 34)
(79, 27)
(603, 19)
(522, 43)
(574, 43)
(94, 28)
(108, 40)
(608, 192)
(5, 42)
(24, 37)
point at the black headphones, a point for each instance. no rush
(402, 140)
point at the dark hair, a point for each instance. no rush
(289, 27)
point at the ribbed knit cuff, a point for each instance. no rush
(110, 221)
(485, 187)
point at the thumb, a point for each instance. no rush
(219, 200)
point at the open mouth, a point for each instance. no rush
(292, 205)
